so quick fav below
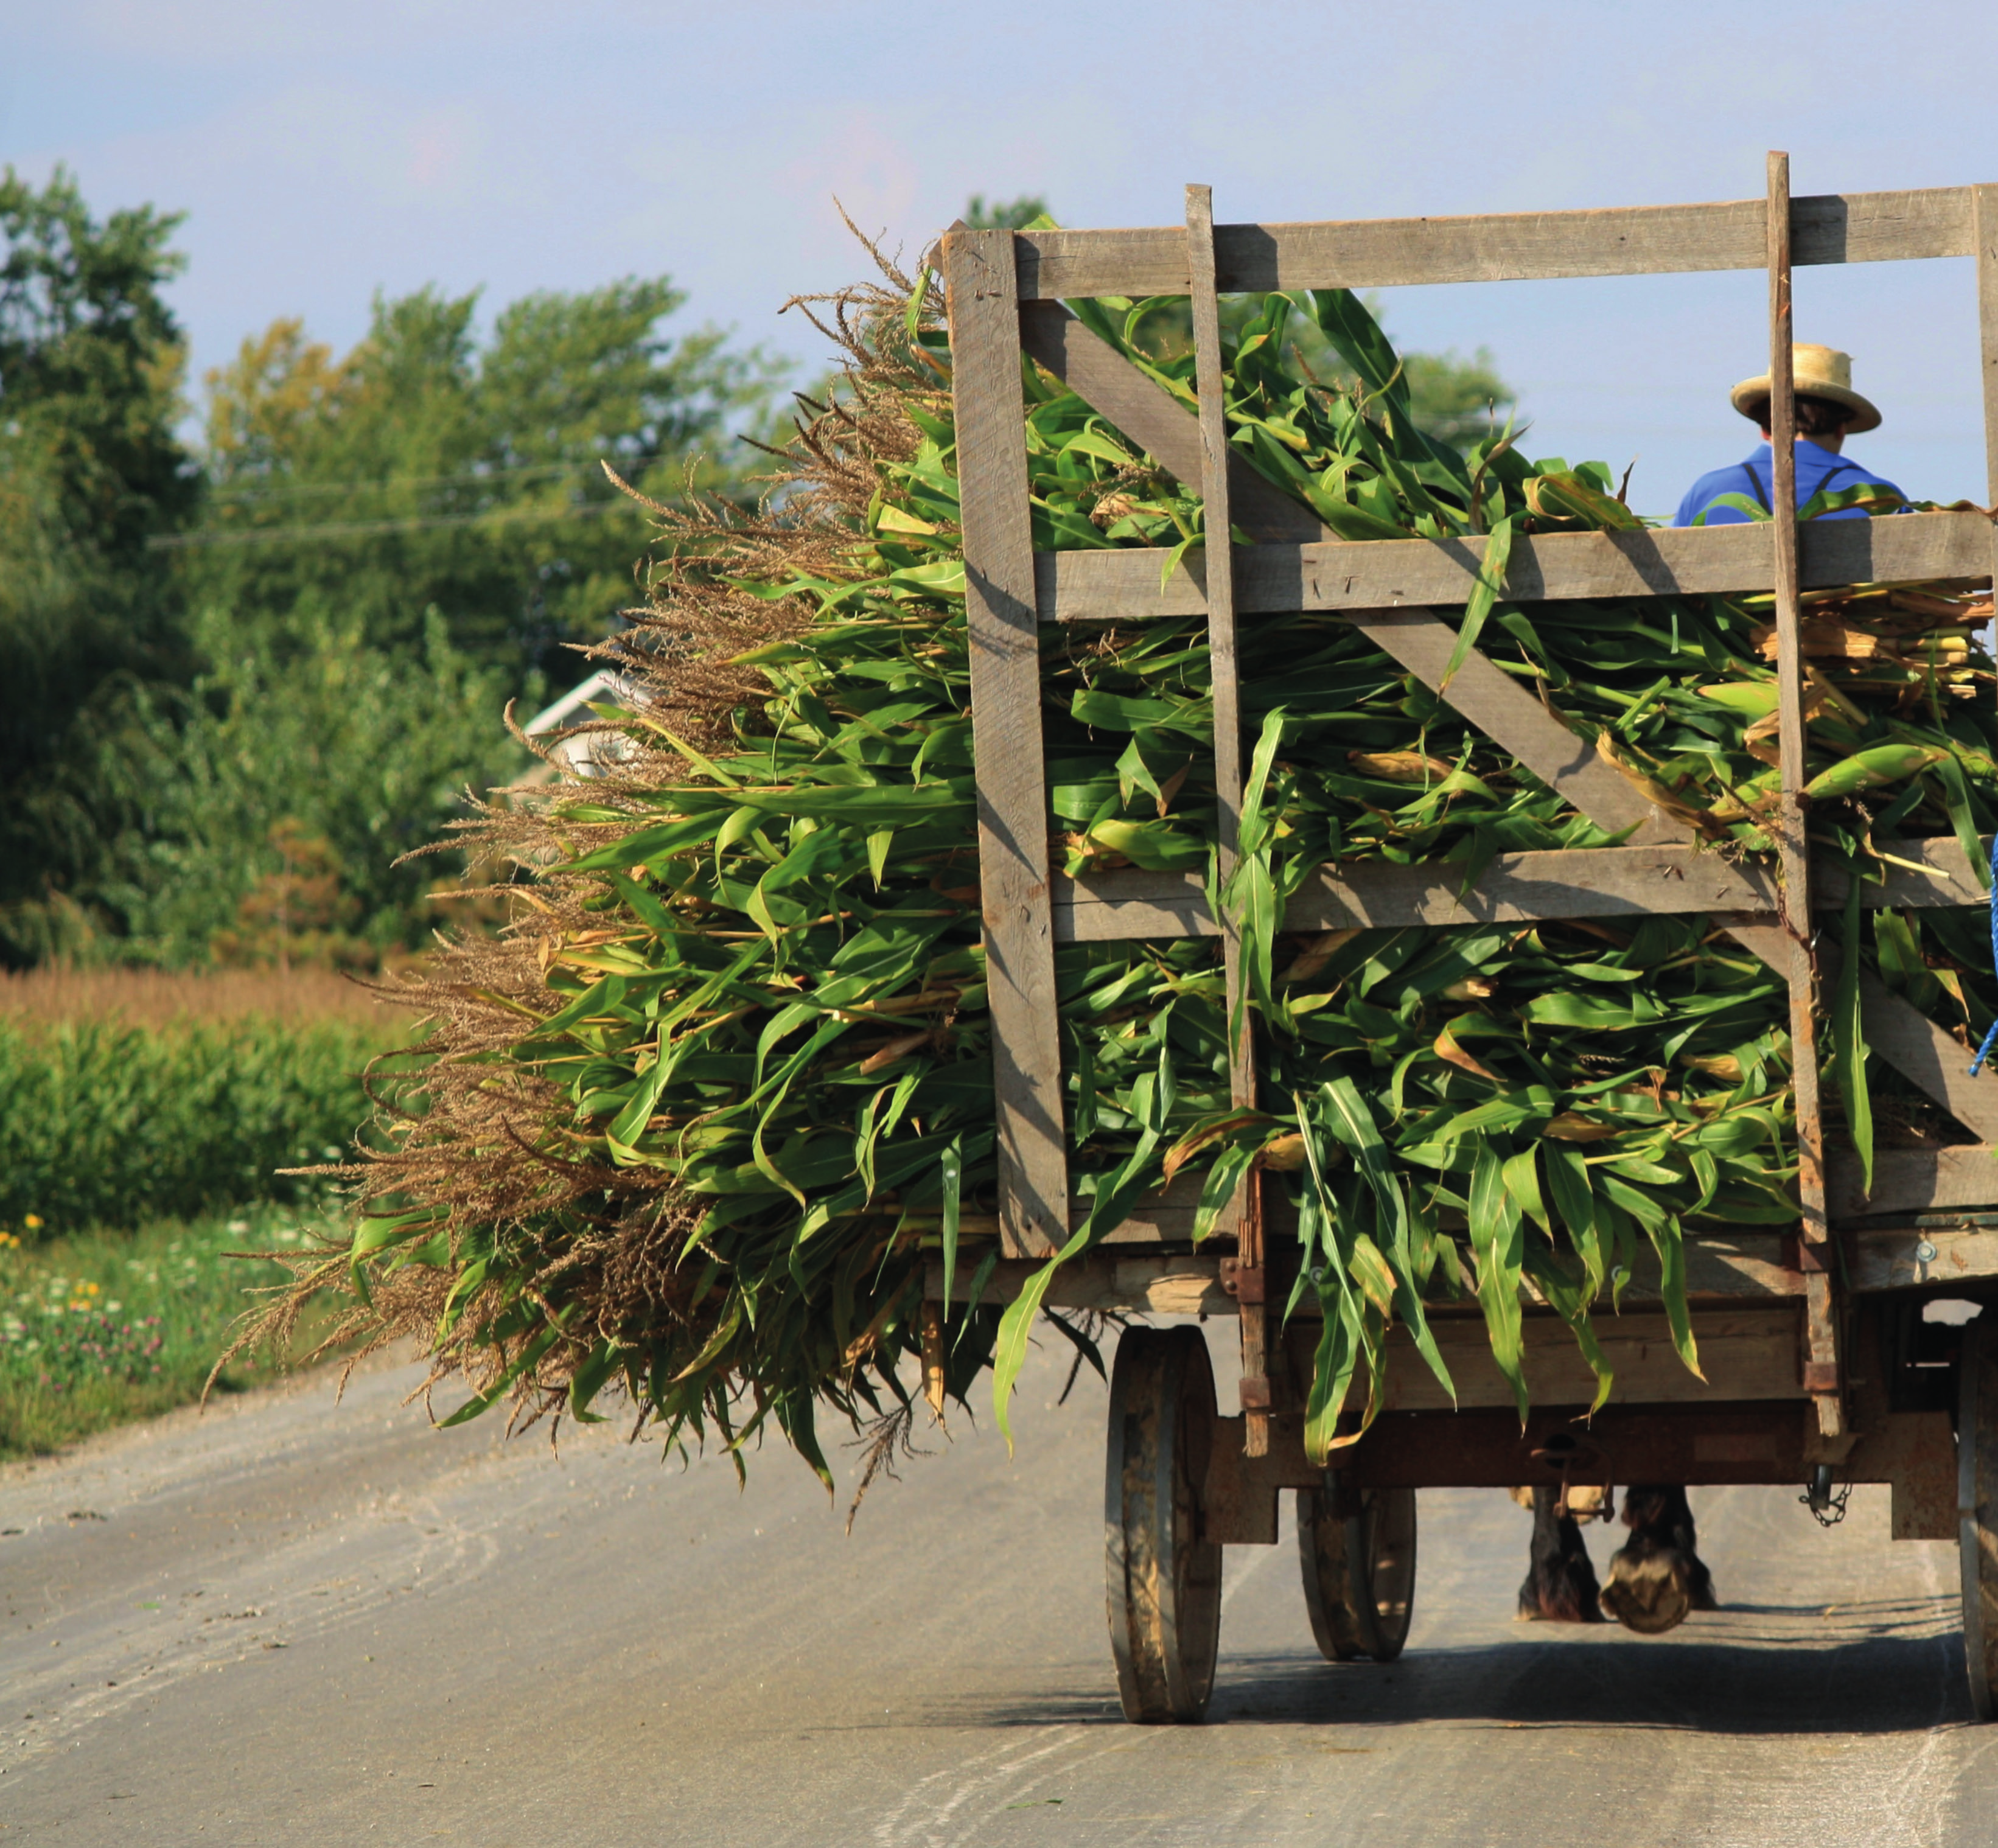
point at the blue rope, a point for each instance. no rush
(1984, 1051)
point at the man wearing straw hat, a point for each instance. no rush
(1828, 411)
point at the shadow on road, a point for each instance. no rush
(1873, 1685)
(1749, 1683)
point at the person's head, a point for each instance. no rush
(1829, 410)
(1819, 419)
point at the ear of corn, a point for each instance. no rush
(744, 1035)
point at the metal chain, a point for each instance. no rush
(1827, 1510)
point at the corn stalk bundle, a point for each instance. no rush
(695, 1127)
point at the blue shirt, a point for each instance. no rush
(1816, 468)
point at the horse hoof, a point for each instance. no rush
(1647, 1593)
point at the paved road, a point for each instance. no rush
(285, 1623)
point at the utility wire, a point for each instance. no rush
(267, 490)
(368, 529)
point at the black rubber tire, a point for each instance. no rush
(1164, 1579)
(1359, 1572)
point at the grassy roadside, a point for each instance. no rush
(100, 1329)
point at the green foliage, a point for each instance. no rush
(1458, 401)
(429, 470)
(369, 751)
(315, 619)
(90, 361)
(101, 1328)
(90, 471)
(1004, 214)
(109, 1125)
(393, 544)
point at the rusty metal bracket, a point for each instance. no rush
(1245, 1282)
(1568, 1453)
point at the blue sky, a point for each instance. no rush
(323, 152)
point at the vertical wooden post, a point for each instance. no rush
(1820, 1363)
(1985, 221)
(1251, 1294)
(986, 360)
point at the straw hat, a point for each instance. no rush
(1821, 372)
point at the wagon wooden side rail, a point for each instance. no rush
(1781, 1375)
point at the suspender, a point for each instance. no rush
(1824, 481)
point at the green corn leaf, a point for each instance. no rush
(1496, 1242)
(1850, 1032)
(1485, 592)
(951, 1166)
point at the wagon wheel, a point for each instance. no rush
(1359, 1571)
(1164, 1580)
(1977, 1501)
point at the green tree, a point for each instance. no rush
(90, 473)
(394, 542)
(428, 469)
(277, 792)
(1458, 400)
(1007, 215)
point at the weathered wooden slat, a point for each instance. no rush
(1501, 708)
(1747, 1268)
(1605, 882)
(1913, 1451)
(1006, 718)
(1916, 1047)
(1189, 1285)
(1916, 1180)
(1747, 1354)
(1894, 1260)
(1790, 827)
(1821, 1369)
(1950, 879)
(1597, 881)
(1162, 426)
(1217, 559)
(1984, 225)
(1912, 1043)
(1387, 253)
(1122, 585)
(1244, 1215)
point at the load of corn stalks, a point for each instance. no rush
(692, 1129)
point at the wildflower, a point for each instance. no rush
(32, 1222)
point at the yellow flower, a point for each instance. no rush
(33, 1222)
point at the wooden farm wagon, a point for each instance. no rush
(1820, 1369)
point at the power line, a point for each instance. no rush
(368, 529)
(286, 490)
